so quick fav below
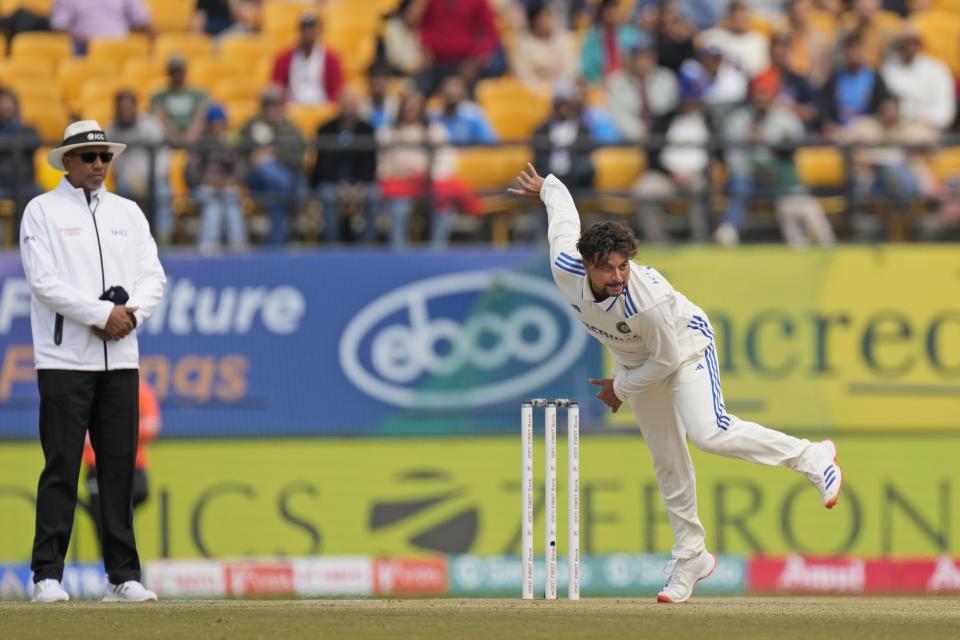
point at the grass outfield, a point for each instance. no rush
(716, 618)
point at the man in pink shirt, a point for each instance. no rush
(309, 73)
(460, 37)
(86, 20)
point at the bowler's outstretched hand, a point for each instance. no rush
(606, 393)
(530, 183)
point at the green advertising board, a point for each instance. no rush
(462, 496)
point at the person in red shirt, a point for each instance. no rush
(309, 73)
(459, 36)
(149, 429)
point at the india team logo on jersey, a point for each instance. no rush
(622, 327)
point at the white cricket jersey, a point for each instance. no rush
(650, 328)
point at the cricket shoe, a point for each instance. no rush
(49, 590)
(826, 476)
(684, 576)
(129, 591)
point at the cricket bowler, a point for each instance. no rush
(666, 369)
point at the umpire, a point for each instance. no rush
(94, 276)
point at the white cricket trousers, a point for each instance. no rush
(689, 404)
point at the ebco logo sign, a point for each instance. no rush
(530, 344)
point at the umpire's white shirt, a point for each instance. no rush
(72, 252)
(650, 328)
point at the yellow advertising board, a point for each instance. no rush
(462, 495)
(857, 338)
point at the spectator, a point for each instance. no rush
(413, 152)
(309, 73)
(381, 105)
(922, 84)
(766, 167)
(465, 121)
(459, 36)
(543, 52)
(85, 21)
(607, 43)
(680, 167)
(18, 142)
(144, 136)
(674, 37)
(272, 150)
(595, 117)
(796, 93)
(179, 109)
(811, 48)
(724, 86)
(877, 29)
(855, 89)
(399, 47)
(562, 144)
(743, 48)
(345, 174)
(218, 17)
(640, 93)
(148, 428)
(214, 173)
(884, 167)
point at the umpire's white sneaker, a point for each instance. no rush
(684, 575)
(824, 472)
(129, 591)
(49, 590)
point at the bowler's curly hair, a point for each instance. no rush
(603, 238)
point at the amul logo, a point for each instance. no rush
(461, 340)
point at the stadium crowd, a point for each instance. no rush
(399, 121)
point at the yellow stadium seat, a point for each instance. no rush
(170, 15)
(39, 7)
(46, 176)
(239, 112)
(45, 45)
(946, 162)
(247, 49)
(208, 70)
(238, 88)
(356, 54)
(349, 17)
(97, 89)
(37, 89)
(823, 22)
(100, 110)
(116, 51)
(73, 72)
(308, 118)
(515, 121)
(46, 116)
(491, 168)
(494, 90)
(13, 70)
(940, 34)
(189, 45)
(821, 167)
(178, 181)
(144, 71)
(617, 168)
(282, 17)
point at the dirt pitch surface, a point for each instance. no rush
(716, 618)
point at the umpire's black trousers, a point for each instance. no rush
(106, 403)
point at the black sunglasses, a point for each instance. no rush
(90, 157)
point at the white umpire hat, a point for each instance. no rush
(83, 133)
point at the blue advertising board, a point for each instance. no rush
(337, 342)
